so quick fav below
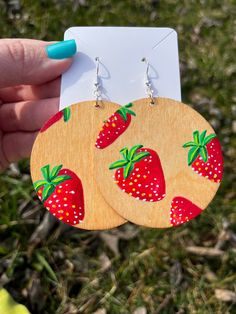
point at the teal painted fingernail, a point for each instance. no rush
(62, 50)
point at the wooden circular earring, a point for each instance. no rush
(63, 165)
(166, 166)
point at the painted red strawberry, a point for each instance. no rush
(114, 126)
(61, 192)
(182, 210)
(140, 174)
(205, 156)
(65, 114)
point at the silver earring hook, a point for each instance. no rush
(148, 84)
(97, 65)
(97, 86)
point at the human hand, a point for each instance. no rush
(30, 73)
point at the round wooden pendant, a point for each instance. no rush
(62, 167)
(166, 166)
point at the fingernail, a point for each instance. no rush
(62, 50)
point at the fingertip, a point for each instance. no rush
(60, 66)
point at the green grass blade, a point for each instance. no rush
(46, 265)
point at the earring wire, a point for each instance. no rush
(97, 85)
(148, 84)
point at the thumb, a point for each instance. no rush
(31, 62)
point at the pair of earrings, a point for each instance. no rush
(155, 162)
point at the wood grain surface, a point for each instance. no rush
(164, 127)
(72, 144)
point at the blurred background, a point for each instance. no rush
(52, 268)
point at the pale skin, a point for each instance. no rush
(29, 94)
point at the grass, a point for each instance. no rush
(62, 270)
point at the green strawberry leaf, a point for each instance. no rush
(196, 137)
(122, 114)
(124, 152)
(189, 144)
(124, 110)
(128, 169)
(118, 164)
(66, 114)
(46, 172)
(203, 153)
(130, 112)
(38, 184)
(133, 151)
(202, 136)
(192, 154)
(55, 171)
(47, 191)
(140, 156)
(209, 138)
(60, 179)
(129, 105)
